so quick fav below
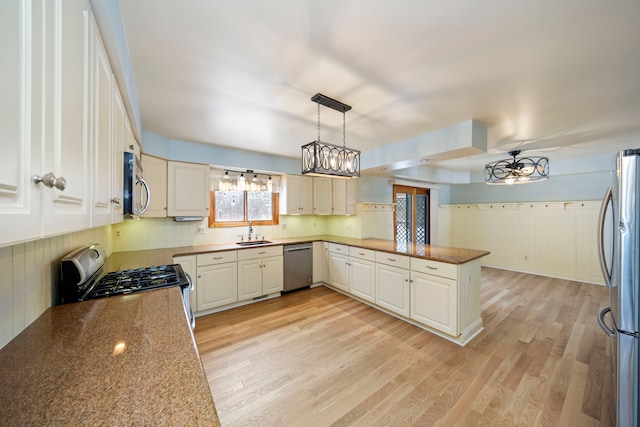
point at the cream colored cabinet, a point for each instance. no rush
(362, 273)
(434, 302)
(217, 280)
(352, 196)
(20, 121)
(189, 265)
(103, 133)
(321, 196)
(71, 142)
(118, 131)
(155, 173)
(319, 261)
(66, 153)
(296, 195)
(187, 189)
(392, 282)
(339, 266)
(344, 196)
(260, 272)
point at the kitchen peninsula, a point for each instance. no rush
(434, 287)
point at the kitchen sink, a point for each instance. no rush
(253, 243)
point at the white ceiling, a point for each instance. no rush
(555, 78)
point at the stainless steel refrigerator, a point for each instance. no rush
(619, 250)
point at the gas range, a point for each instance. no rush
(124, 282)
(82, 279)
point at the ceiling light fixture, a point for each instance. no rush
(518, 170)
(321, 158)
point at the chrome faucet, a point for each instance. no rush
(250, 231)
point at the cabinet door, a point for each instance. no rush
(318, 262)
(101, 131)
(119, 120)
(434, 302)
(188, 264)
(362, 275)
(290, 192)
(352, 196)
(19, 197)
(249, 279)
(339, 196)
(321, 196)
(306, 195)
(187, 189)
(392, 288)
(67, 147)
(217, 285)
(339, 271)
(272, 275)
(155, 173)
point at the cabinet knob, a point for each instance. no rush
(200, 277)
(115, 200)
(50, 180)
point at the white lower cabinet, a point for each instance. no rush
(339, 266)
(392, 282)
(392, 288)
(362, 273)
(434, 302)
(260, 272)
(217, 280)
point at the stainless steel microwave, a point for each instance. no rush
(136, 191)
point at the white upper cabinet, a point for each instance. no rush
(321, 196)
(155, 173)
(118, 131)
(187, 189)
(19, 196)
(59, 170)
(296, 195)
(102, 132)
(66, 94)
(344, 196)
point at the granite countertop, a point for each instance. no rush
(125, 360)
(145, 258)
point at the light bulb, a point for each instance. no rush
(270, 185)
(242, 183)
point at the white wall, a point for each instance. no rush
(28, 272)
(556, 239)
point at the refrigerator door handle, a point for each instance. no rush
(606, 272)
(603, 325)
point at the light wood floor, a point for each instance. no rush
(319, 358)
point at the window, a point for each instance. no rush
(411, 216)
(231, 206)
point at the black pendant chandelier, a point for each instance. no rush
(518, 170)
(322, 158)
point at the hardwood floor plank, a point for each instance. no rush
(318, 358)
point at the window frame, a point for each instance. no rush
(275, 215)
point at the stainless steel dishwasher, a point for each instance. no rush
(298, 266)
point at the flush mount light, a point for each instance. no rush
(321, 158)
(517, 170)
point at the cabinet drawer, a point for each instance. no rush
(338, 248)
(262, 252)
(362, 253)
(392, 259)
(216, 258)
(435, 268)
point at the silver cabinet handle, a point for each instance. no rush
(432, 268)
(391, 259)
(261, 253)
(217, 257)
(361, 253)
(50, 180)
(115, 200)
